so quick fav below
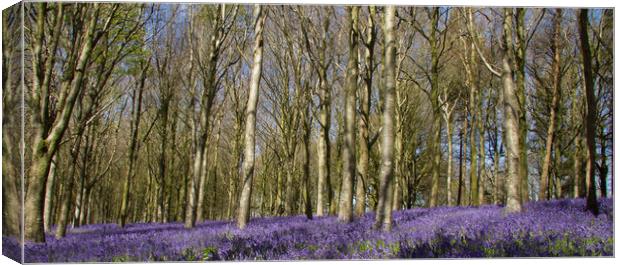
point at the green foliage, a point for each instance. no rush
(124, 258)
(209, 253)
(188, 254)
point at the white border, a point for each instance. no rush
(522, 3)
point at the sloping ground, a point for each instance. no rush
(556, 228)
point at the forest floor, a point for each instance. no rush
(554, 228)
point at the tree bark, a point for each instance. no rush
(511, 119)
(364, 121)
(383, 216)
(450, 158)
(49, 196)
(482, 170)
(544, 194)
(324, 187)
(520, 57)
(436, 141)
(250, 122)
(134, 146)
(307, 127)
(345, 211)
(590, 119)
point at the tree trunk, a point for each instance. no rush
(245, 200)
(473, 167)
(603, 169)
(63, 219)
(201, 189)
(555, 47)
(460, 181)
(49, 195)
(520, 57)
(511, 120)
(85, 206)
(307, 126)
(590, 122)
(383, 215)
(364, 141)
(482, 171)
(209, 74)
(134, 146)
(557, 179)
(436, 141)
(324, 187)
(579, 179)
(345, 211)
(450, 158)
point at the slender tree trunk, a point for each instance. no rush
(61, 228)
(579, 179)
(345, 213)
(383, 216)
(134, 146)
(364, 141)
(555, 47)
(398, 172)
(473, 167)
(450, 158)
(436, 141)
(324, 187)
(511, 120)
(49, 195)
(245, 200)
(85, 206)
(590, 121)
(603, 169)
(307, 118)
(557, 170)
(482, 171)
(520, 57)
(498, 179)
(461, 166)
(202, 189)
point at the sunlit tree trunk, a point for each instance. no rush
(555, 47)
(49, 195)
(345, 211)
(250, 122)
(519, 73)
(511, 119)
(383, 216)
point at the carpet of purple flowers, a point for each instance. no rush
(544, 229)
